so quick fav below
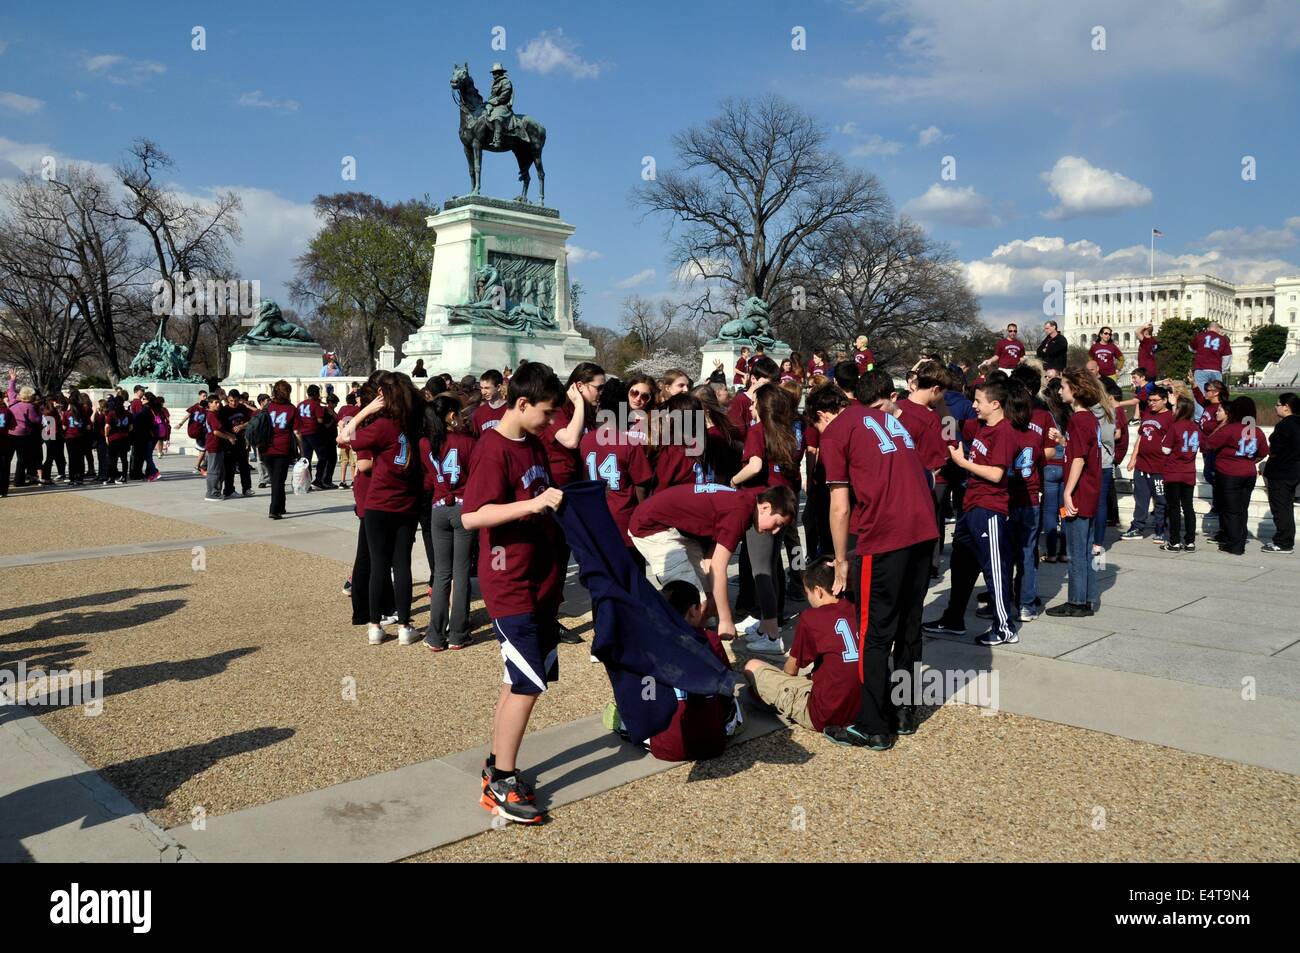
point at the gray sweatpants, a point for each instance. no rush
(452, 547)
(216, 473)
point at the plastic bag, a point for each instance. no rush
(301, 477)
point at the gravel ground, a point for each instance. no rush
(968, 786)
(40, 522)
(211, 701)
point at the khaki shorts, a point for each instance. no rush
(672, 555)
(788, 694)
(347, 457)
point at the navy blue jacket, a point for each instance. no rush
(646, 647)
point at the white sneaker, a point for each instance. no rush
(765, 645)
(745, 624)
(594, 659)
(375, 634)
(388, 619)
(1028, 615)
(407, 635)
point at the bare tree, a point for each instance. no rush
(187, 241)
(66, 233)
(756, 183)
(649, 322)
(884, 277)
(39, 329)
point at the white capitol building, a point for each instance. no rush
(1126, 304)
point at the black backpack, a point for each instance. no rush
(258, 431)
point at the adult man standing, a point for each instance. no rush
(862, 356)
(1010, 350)
(500, 103)
(1213, 355)
(1053, 349)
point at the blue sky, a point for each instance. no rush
(1065, 155)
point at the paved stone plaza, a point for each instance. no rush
(227, 732)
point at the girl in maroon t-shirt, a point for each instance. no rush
(280, 452)
(393, 494)
(1238, 445)
(1181, 441)
(563, 434)
(1081, 501)
(723, 440)
(446, 450)
(677, 450)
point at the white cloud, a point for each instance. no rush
(114, 108)
(577, 254)
(953, 205)
(1084, 189)
(258, 101)
(875, 145)
(18, 103)
(640, 278)
(931, 135)
(997, 51)
(121, 70)
(847, 129)
(550, 51)
(1255, 241)
(3, 46)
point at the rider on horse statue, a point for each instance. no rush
(500, 103)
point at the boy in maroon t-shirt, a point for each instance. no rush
(506, 499)
(879, 491)
(492, 406)
(825, 639)
(1148, 463)
(982, 540)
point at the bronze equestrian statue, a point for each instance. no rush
(493, 126)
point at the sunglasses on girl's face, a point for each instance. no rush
(639, 395)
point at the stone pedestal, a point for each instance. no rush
(261, 361)
(728, 352)
(527, 244)
(1283, 373)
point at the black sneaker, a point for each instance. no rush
(1071, 610)
(1131, 534)
(505, 798)
(568, 637)
(851, 737)
(1270, 548)
(1172, 547)
(939, 627)
(347, 588)
(1189, 547)
(984, 612)
(905, 720)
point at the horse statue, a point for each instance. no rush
(525, 136)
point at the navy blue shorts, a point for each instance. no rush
(529, 651)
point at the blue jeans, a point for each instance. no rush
(1148, 491)
(1083, 585)
(1050, 507)
(1099, 524)
(1024, 552)
(1204, 377)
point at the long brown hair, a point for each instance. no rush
(776, 417)
(402, 403)
(713, 412)
(1084, 386)
(281, 392)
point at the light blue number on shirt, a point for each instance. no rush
(607, 470)
(1024, 464)
(304, 409)
(437, 470)
(280, 419)
(893, 428)
(1212, 343)
(1247, 447)
(1191, 441)
(450, 466)
(403, 451)
(845, 631)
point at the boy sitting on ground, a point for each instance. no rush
(702, 723)
(826, 640)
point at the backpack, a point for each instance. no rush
(258, 431)
(195, 428)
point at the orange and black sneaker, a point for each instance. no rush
(527, 789)
(504, 798)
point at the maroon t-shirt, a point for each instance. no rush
(1084, 441)
(673, 467)
(1151, 442)
(863, 359)
(485, 417)
(773, 474)
(281, 415)
(1027, 467)
(721, 457)
(1121, 435)
(826, 639)
(1182, 441)
(1237, 449)
(607, 455)
(396, 472)
(1147, 356)
(699, 726)
(1210, 349)
(707, 512)
(872, 453)
(927, 433)
(563, 461)
(994, 446)
(361, 484)
(444, 477)
(738, 411)
(346, 413)
(72, 424)
(1106, 356)
(1009, 353)
(310, 415)
(518, 568)
(213, 424)
(742, 368)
